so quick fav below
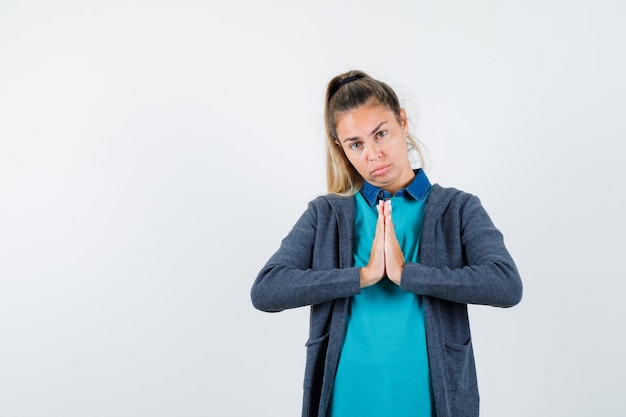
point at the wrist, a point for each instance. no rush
(367, 279)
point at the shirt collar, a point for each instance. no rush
(418, 188)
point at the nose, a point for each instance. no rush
(374, 152)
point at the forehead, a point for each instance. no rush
(362, 119)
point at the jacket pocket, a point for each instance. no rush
(315, 359)
(458, 361)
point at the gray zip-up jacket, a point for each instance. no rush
(463, 260)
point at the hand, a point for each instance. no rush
(394, 259)
(375, 269)
(386, 256)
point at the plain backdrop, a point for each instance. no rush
(154, 153)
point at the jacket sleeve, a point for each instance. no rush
(467, 263)
(305, 269)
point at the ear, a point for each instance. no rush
(404, 121)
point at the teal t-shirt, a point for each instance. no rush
(383, 368)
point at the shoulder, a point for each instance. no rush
(441, 198)
(452, 206)
(332, 202)
(329, 207)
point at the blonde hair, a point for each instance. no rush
(346, 92)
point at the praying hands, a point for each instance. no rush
(386, 258)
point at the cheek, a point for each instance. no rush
(401, 147)
(356, 161)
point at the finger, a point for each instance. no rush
(378, 248)
(380, 208)
(394, 258)
(374, 271)
(387, 213)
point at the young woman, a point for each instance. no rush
(388, 263)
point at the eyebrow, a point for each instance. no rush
(371, 133)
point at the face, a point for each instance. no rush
(375, 144)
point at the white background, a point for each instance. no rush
(154, 153)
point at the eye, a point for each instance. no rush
(355, 146)
(381, 133)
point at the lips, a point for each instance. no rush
(380, 170)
